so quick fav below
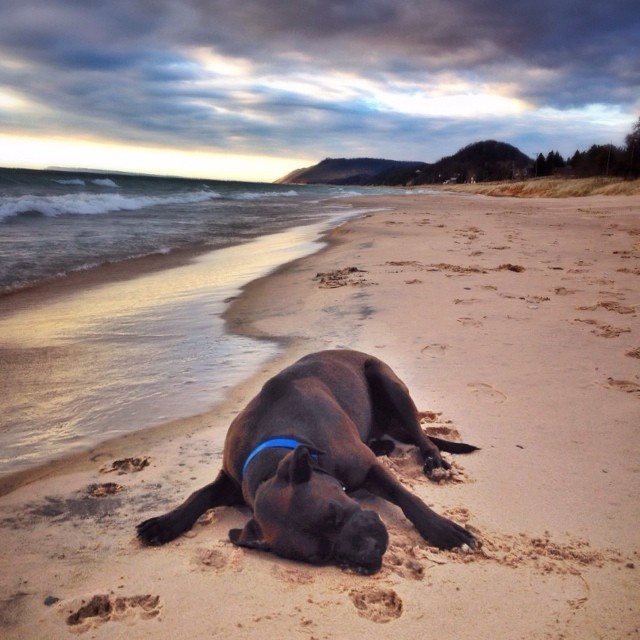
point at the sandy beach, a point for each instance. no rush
(514, 324)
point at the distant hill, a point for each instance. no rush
(477, 162)
(356, 171)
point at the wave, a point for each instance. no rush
(94, 203)
(257, 195)
(348, 193)
(71, 181)
(430, 192)
(79, 182)
(105, 182)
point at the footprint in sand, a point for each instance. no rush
(470, 322)
(486, 392)
(401, 561)
(293, 576)
(609, 305)
(435, 350)
(377, 604)
(211, 559)
(603, 330)
(127, 465)
(563, 291)
(103, 489)
(222, 558)
(624, 385)
(102, 608)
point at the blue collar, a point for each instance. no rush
(274, 443)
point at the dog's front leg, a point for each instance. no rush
(223, 491)
(438, 530)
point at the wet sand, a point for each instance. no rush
(514, 324)
(98, 354)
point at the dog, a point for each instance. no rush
(294, 454)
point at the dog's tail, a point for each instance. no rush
(452, 447)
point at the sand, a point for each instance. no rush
(515, 325)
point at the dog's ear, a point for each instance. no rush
(312, 447)
(295, 468)
(300, 466)
(250, 536)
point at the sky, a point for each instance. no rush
(253, 89)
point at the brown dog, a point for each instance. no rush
(301, 446)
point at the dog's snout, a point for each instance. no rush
(370, 552)
(362, 542)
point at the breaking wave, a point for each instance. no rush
(258, 195)
(94, 203)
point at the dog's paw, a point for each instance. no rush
(440, 474)
(157, 531)
(446, 534)
(435, 466)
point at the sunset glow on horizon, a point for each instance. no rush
(200, 90)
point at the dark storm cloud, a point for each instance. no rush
(574, 37)
(126, 68)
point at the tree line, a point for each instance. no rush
(599, 160)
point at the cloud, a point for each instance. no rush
(374, 77)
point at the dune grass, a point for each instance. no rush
(552, 187)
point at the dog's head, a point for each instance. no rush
(305, 515)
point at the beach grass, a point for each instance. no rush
(552, 187)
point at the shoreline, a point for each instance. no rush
(514, 323)
(55, 289)
(104, 273)
(129, 270)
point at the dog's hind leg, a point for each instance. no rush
(223, 491)
(397, 415)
